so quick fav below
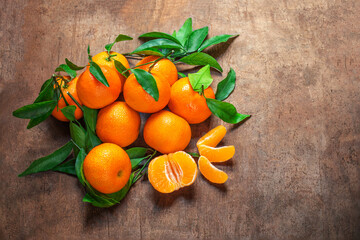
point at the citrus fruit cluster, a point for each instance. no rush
(103, 104)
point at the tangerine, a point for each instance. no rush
(67, 87)
(118, 123)
(166, 132)
(189, 104)
(107, 168)
(93, 93)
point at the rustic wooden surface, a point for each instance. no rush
(296, 172)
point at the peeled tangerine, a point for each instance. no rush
(210, 172)
(207, 146)
(171, 172)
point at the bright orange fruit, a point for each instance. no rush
(69, 87)
(171, 172)
(93, 93)
(187, 103)
(210, 172)
(163, 68)
(213, 137)
(166, 132)
(107, 168)
(140, 100)
(220, 154)
(118, 123)
(102, 59)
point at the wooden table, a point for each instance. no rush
(295, 174)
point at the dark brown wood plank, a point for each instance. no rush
(296, 172)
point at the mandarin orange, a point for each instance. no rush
(187, 103)
(118, 123)
(107, 168)
(140, 100)
(210, 172)
(166, 132)
(69, 87)
(93, 93)
(171, 172)
(164, 68)
(102, 59)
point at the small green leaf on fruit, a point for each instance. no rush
(98, 74)
(69, 112)
(202, 59)
(147, 82)
(201, 80)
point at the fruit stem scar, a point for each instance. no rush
(120, 173)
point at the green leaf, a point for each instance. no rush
(79, 166)
(194, 154)
(225, 111)
(98, 74)
(121, 68)
(215, 40)
(73, 66)
(174, 34)
(118, 196)
(202, 59)
(136, 152)
(150, 52)
(78, 134)
(185, 31)
(35, 110)
(91, 140)
(201, 80)
(69, 112)
(159, 35)
(90, 116)
(135, 162)
(96, 201)
(181, 74)
(49, 162)
(35, 121)
(196, 38)
(158, 43)
(119, 38)
(147, 82)
(46, 92)
(66, 167)
(67, 69)
(226, 86)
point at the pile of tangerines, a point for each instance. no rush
(100, 160)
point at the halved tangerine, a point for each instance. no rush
(171, 172)
(210, 172)
(213, 137)
(220, 154)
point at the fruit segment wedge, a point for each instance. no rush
(210, 172)
(213, 137)
(220, 154)
(168, 173)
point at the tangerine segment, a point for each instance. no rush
(158, 175)
(220, 154)
(213, 137)
(187, 166)
(168, 173)
(210, 172)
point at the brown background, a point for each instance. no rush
(296, 172)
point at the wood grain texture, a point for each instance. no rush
(295, 174)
